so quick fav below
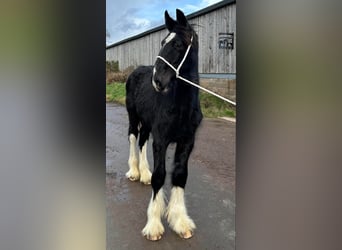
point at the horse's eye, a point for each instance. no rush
(178, 44)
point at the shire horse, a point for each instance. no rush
(160, 103)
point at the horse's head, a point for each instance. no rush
(173, 52)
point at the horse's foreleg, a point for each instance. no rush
(176, 213)
(154, 228)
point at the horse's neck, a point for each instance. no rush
(184, 92)
(191, 73)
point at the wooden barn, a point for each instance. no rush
(216, 29)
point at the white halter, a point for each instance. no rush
(180, 65)
(190, 82)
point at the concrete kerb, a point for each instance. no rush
(231, 119)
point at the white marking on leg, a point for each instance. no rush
(177, 215)
(154, 228)
(144, 168)
(133, 173)
(169, 37)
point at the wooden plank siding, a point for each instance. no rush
(212, 59)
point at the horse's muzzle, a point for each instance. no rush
(158, 85)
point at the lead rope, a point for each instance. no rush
(190, 82)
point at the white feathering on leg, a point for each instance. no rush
(133, 173)
(154, 227)
(144, 168)
(177, 215)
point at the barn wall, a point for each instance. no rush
(212, 59)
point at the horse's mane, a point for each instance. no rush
(186, 35)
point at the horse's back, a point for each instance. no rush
(140, 93)
(139, 76)
(137, 81)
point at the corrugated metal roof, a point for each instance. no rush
(190, 16)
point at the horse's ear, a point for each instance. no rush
(169, 22)
(181, 18)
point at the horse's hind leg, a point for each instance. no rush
(133, 173)
(176, 212)
(144, 168)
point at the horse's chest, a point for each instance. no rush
(174, 121)
(174, 114)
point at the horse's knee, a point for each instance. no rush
(133, 122)
(144, 135)
(133, 130)
(158, 179)
(179, 176)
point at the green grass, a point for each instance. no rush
(116, 92)
(212, 107)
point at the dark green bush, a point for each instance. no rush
(112, 66)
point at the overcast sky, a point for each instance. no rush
(126, 18)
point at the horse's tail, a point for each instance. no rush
(130, 90)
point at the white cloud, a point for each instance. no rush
(141, 22)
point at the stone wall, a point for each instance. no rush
(224, 87)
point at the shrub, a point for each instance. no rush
(119, 76)
(116, 77)
(112, 66)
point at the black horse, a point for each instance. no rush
(159, 102)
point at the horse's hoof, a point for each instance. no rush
(186, 235)
(148, 182)
(153, 237)
(132, 177)
(145, 177)
(153, 230)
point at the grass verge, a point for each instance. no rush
(212, 107)
(116, 92)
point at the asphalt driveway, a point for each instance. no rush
(210, 190)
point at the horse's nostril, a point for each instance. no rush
(157, 84)
(160, 86)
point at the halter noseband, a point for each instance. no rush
(180, 65)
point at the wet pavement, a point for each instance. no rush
(209, 193)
